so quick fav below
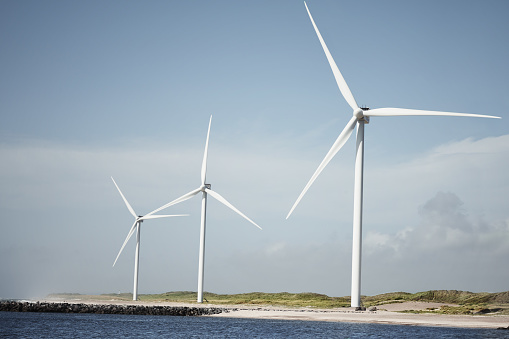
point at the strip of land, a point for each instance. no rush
(417, 313)
(378, 316)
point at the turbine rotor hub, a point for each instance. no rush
(358, 113)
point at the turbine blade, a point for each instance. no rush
(343, 87)
(386, 112)
(204, 163)
(340, 141)
(126, 240)
(163, 216)
(222, 200)
(125, 200)
(176, 201)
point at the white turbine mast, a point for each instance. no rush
(137, 228)
(205, 189)
(360, 117)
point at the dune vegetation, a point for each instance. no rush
(459, 302)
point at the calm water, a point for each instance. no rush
(55, 325)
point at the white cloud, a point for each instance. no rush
(447, 244)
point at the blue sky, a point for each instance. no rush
(90, 90)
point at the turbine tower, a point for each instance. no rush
(205, 189)
(360, 118)
(137, 227)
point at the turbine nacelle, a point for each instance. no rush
(205, 186)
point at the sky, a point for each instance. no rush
(125, 89)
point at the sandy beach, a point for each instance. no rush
(380, 317)
(386, 314)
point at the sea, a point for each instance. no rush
(77, 325)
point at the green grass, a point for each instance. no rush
(468, 302)
(255, 298)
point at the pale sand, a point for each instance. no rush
(388, 315)
(376, 317)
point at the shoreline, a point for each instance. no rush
(390, 315)
(373, 317)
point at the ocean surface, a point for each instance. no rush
(65, 325)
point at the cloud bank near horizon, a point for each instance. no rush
(436, 221)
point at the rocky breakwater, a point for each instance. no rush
(17, 306)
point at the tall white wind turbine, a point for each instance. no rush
(137, 228)
(205, 189)
(360, 117)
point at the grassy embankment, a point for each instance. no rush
(467, 302)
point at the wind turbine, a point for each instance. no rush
(360, 117)
(205, 189)
(137, 227)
